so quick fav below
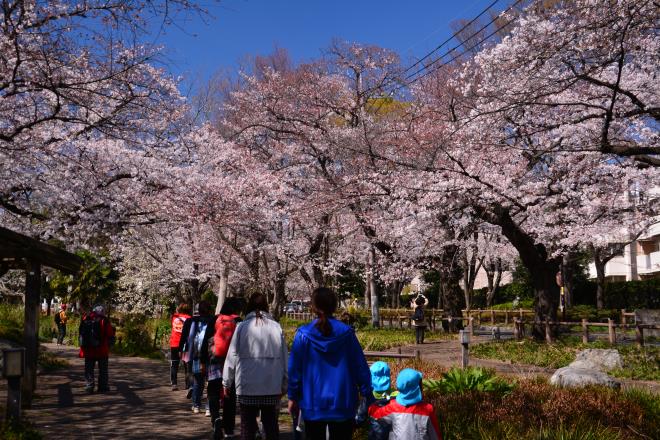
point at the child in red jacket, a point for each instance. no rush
(407, 416)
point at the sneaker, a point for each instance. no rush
(174, 387)
(208, 413)
(195, 410)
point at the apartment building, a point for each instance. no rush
(640, 259)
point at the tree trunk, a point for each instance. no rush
(494, 276)
(543, 270)
(567, 276)
(450, 275)
(279, 295)
(600, 279)
(373, 289)
(222, 289)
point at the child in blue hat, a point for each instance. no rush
(380, 381)
(407, 416)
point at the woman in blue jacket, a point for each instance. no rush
(327, 368)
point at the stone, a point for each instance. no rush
(579, 377)
(588, 369)
(597, 359)
(648, 316)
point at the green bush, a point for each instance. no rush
(135, 337)
(628, 295)
(22, 430)
(460, 381)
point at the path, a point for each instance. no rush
(139, 405)
(447, 353)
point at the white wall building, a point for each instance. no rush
(640, 259)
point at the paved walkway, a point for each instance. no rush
(139, 405)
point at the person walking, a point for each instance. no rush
(216, 352)
(178, 321)
(256, 365)
(95, 337)
(327, 368)
(419, 321)
(60, 320)
(194, 338)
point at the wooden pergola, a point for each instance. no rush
(18, 251)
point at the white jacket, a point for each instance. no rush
(257, 359)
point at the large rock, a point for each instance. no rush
(579, 377)
(588, 369)
(648, 316)
(597, 359)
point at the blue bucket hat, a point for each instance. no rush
(408, 383)
(380, 376)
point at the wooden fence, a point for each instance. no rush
(519, 329)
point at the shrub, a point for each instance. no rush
(460, 381)
(621, 294)
(135, 337)
(18, 431)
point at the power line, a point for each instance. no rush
(497, 29)
(428, 55)
(459, 45)
(425, 57)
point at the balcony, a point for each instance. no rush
(649, 263)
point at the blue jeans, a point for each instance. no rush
(197, 389)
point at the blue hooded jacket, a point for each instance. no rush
(326, 372)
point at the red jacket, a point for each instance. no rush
(416, 421)
(178, 319)
(107, 331)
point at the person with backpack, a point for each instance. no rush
(216, 353)
(178, 321)
(60, 321)
(256, 366)
(95, 337)
(194, 338)
(327, 369)
(418, 317)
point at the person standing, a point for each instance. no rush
(193, 338)
(419, 320)
(178, 321)
(60, 320)
(256, 365)
(216, 353)
(327, 368)
(95, 336)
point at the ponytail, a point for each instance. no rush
(324, 302)
(257, 304)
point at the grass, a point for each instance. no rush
(638, 363)
(22, 430)
(371, 339)
(49, 362)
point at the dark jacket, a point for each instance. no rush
(326, 372)
(185, 335)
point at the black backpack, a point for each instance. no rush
(90, 333)
(57, 318)
(419, 314)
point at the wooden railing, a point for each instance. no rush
(519, 329)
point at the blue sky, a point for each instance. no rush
(239, 27)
